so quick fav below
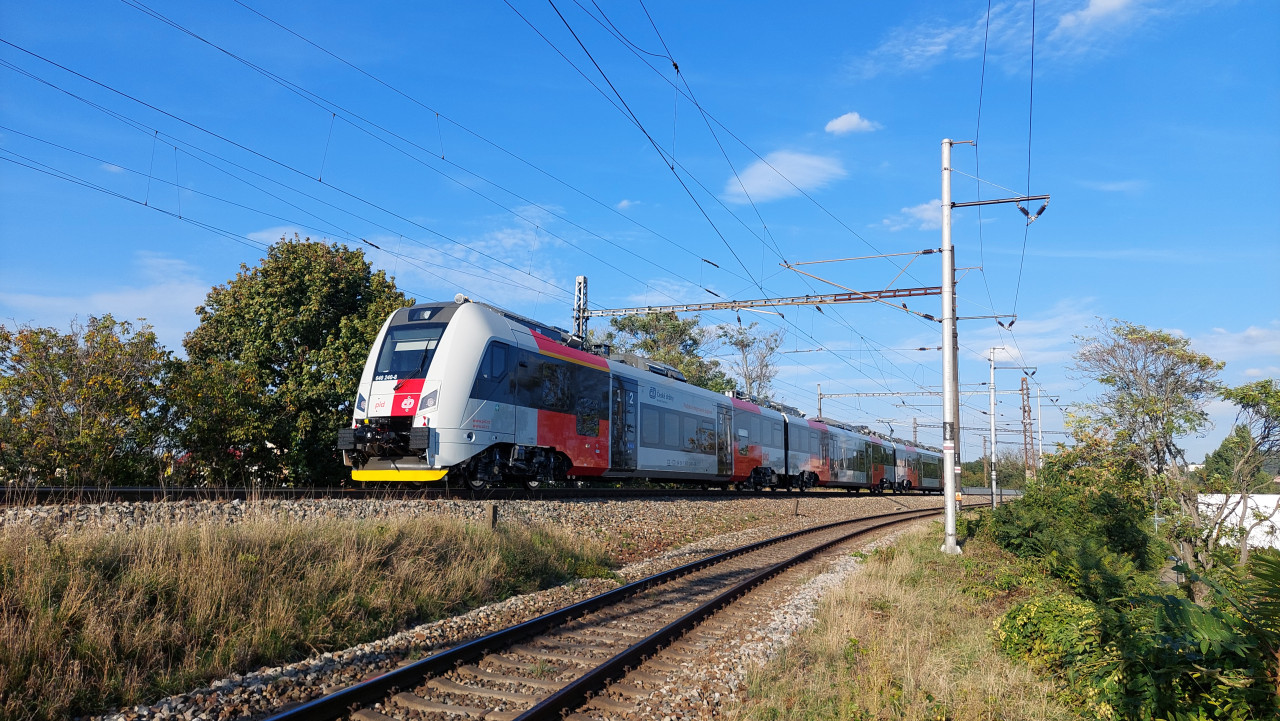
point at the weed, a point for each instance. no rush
(98, 620)
(903, 640)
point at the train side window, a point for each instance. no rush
(777, 434)
(813, 442)
(493, 376)
(688, 433)
(671, 430)
(706, 437)
(649, 433)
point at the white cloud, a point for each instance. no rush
(1252, 342)
(1083, 29)
(1041, 340)
(112, 168)
(1115, 186)
(1268, 372)
(273, 235)
(851, 123)
(166, 299)
(925, 216)
(780, 175)
(1095, 11)
(624, 204)
(663, 291)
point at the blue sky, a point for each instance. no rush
(1154, 125)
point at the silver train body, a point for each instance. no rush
(475, 395)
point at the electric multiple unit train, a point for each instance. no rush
(479, 396)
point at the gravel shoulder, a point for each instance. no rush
(646, 536)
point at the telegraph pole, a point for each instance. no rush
(950, 379)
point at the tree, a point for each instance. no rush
(273, 367)
(80, 406)
(1254, 440)
(666, 338)
(1156, 389)
(756, 363)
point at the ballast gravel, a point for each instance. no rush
(706, 690)
(650, 534)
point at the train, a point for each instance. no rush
(470, 394)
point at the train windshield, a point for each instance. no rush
(407, 351)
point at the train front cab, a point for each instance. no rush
(399, 387)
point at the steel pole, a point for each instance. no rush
(950, 381)
(992, 388)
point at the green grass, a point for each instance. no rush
(910, 636)
(99, 620)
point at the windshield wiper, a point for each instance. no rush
(421, 367)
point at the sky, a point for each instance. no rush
(501, 148)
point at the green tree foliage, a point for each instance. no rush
(1203, 532)
(80, 408)
(272, 370)
(1123, 645)
(1155, 389)
(1011, 471)
(666, 338)
(1220, 466)
(1086, 515)
(756, 363)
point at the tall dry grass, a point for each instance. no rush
(907, 637)
(99, 620)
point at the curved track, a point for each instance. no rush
(596, 658)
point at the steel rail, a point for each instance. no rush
(340, 703)
(579, 690)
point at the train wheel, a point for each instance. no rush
(476, 484)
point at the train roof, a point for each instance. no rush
(766, 403)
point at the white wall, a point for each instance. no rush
(1266, 534)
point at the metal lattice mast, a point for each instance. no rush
(580, 307)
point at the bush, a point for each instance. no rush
(1051, 631)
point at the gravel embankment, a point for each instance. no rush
(634, 528)
(650, 534)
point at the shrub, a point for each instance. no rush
(1051, 631)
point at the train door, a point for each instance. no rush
(622, 441)
(824, 456)
(724, 441)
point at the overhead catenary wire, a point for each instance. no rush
(635, 120)
(176, 118)
(535, 228)
(566, 292)
(333, 109)
(1031, 100)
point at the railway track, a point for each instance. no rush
(50, 495)
(595, 659)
